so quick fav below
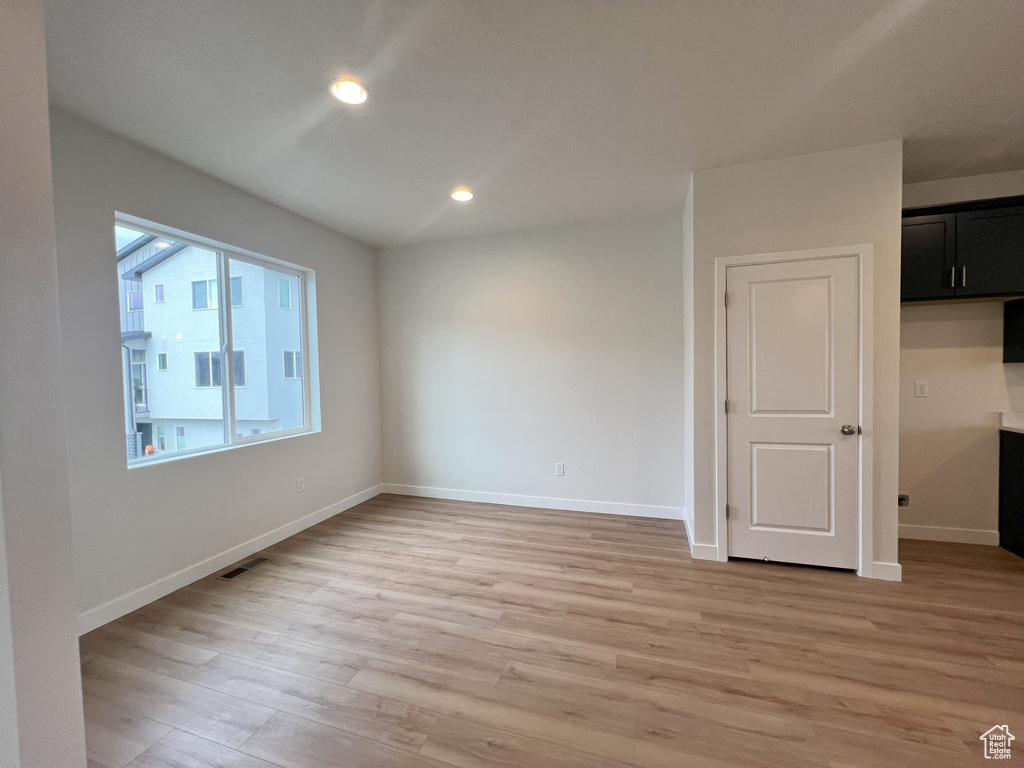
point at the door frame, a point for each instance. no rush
(865, 502)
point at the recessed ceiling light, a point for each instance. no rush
(462, 195)
(349, 91)
(162, 244)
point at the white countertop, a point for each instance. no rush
(1012, 422)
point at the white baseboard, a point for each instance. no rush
(958, 535)
(542, 502)
(886, 571)
(114, 609)
(704, 551)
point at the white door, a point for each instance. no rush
(793, 336)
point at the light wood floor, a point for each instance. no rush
(415, 632)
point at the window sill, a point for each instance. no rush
(170, 456)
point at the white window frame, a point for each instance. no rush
(225, 254)
(163, 290)
(161, 357)
(160, 437)
(179, 432)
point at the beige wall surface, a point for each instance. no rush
(949, 441)
(503, 355)
(40, 685)
(134, 528)
(845, 197)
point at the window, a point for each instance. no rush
(204, 294)
(236, 291)
(239, 370)
(207, 369)
(140, 392)
(134, 301)
(237, 341)
(292, 364)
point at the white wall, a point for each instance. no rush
(40, 687)
(839, 198)
(503, 355)
(963, 188)
(949, 442)
(156, 527)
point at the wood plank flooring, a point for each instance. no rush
(417, 632)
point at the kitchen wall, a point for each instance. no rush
(502, 356)
(949, 441)
(140, 533)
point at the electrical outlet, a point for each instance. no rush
(300, 485)
(920, 389)
(559, 469)
(903, 500)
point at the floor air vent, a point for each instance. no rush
(234, 573)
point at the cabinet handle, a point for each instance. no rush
(952, 277)
(963, 276)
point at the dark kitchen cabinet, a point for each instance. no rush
(1011, 491)
(964, 251)
(1013, 331)
(990, 252)
(929, 257)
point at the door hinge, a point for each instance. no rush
(727, 299)
(726, 406)
(726, 511)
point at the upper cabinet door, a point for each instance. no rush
(929, 244)
(990, 252)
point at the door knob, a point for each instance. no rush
(848, 429)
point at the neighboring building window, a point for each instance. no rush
(223, 397)
(207, 369)
(255, 431)
(140, 392)
(239, 368)
(134, 301)
(204, 294)
(292, 364)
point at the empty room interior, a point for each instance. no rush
(534, 383)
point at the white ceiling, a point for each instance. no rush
(551, 110)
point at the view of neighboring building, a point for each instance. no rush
(172, 347)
